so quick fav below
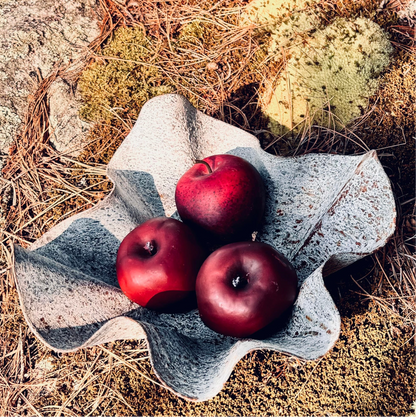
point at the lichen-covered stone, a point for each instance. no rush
(9, 123)
(35, 36)
(67, 131)
(329, 78)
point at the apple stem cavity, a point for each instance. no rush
(239, 282)
(150, 248)
(200, 161)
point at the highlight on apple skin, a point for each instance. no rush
(157, 264)
(222, 196)
(243, 287)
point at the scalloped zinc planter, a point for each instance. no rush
(321, 210)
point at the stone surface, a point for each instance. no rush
(35, 36)
(321, 211)
(67, 130)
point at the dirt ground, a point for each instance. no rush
(371, 369)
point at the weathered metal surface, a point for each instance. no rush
(322, 210)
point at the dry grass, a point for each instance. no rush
(369, 372)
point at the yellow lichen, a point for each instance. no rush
(328, 79)
(300, 23)
(269, 12)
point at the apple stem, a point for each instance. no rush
(200, 161)
(149, 247)
(236, 282)
(240, 282)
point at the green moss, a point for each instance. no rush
(123, 80)
(192, 32)
(328, 80)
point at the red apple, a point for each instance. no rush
(243, 287)
(223, 195)
(157, 263)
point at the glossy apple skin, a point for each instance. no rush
(267, 289)
(227, 204)
(162, 277)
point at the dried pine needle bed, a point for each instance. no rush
(197, 49)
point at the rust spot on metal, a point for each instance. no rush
(308, 318)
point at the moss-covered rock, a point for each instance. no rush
(118, 85)
(329, 78)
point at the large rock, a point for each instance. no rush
(67, 130)
(35, 37)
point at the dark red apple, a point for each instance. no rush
(157, 263)
(223, 196)
(243, 287)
